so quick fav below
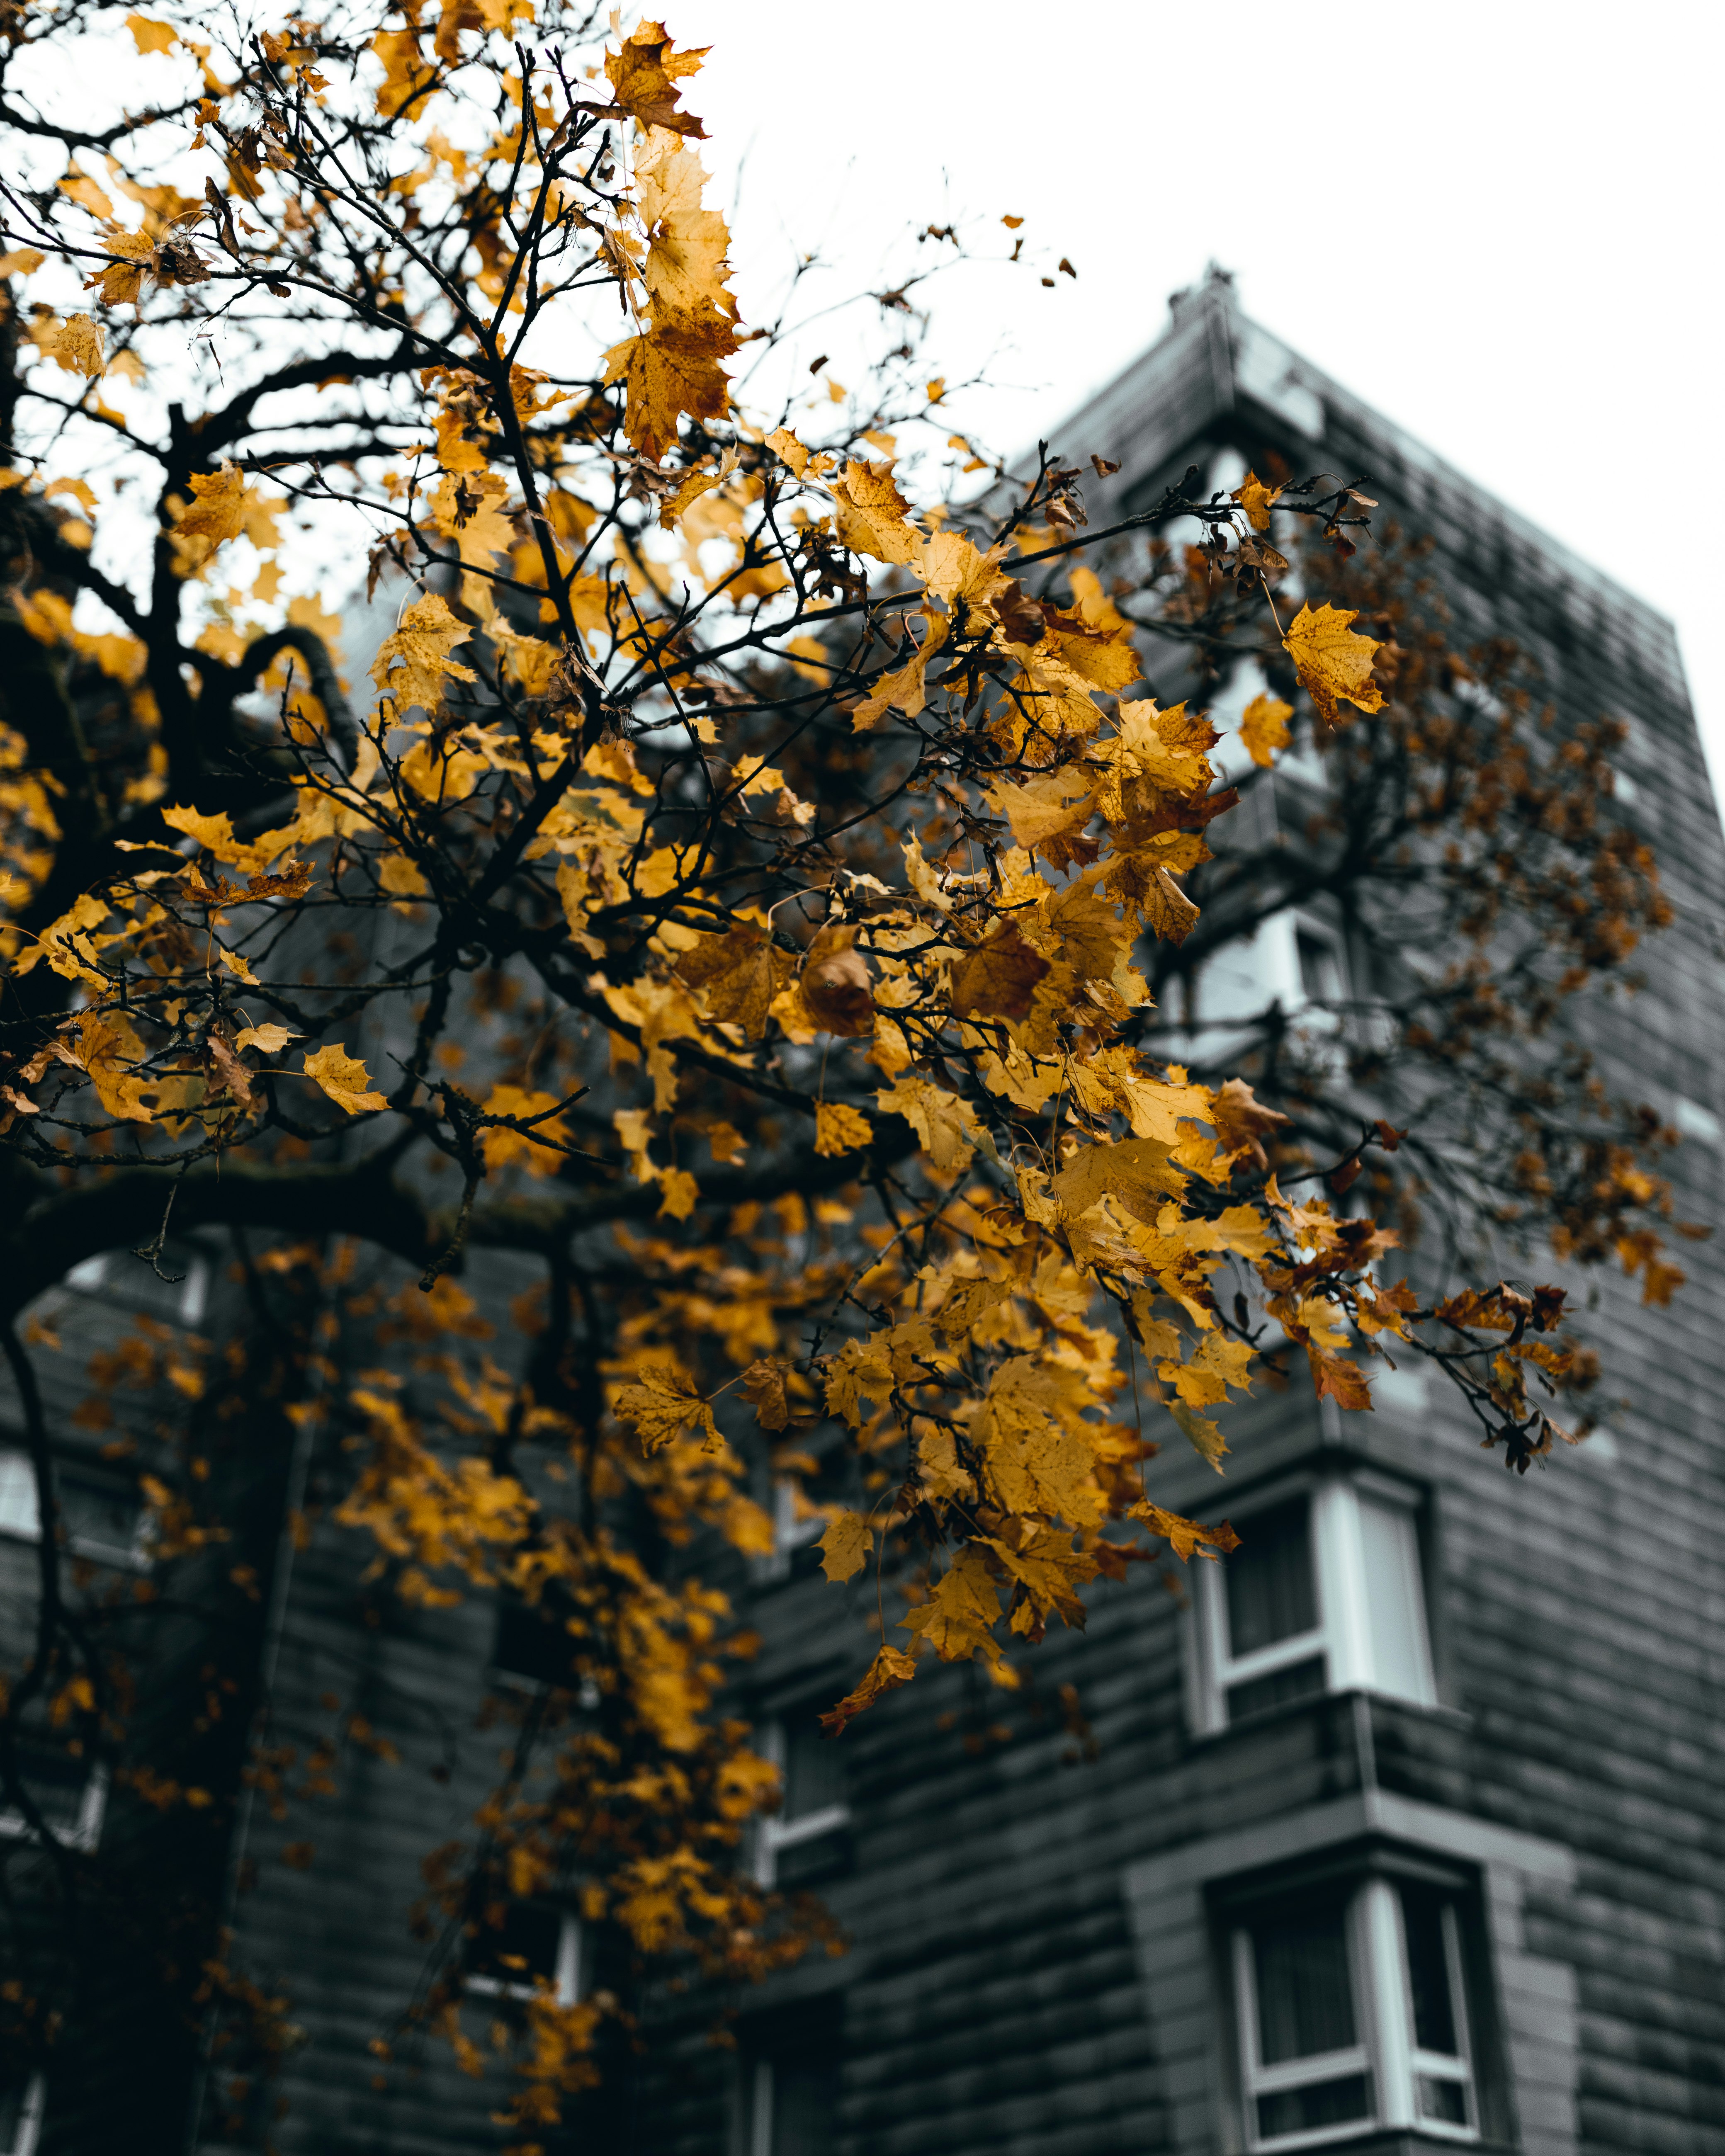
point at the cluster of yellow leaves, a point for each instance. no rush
(673, 366)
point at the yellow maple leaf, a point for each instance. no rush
(217, 511)
(959, 1618)
(738, 973)
(269, 1040)
(643, 75)
(1050, 1571)
(998, 977)
(1257, 500)
(946, 1126)
(411, 665)
(905, 688)
(110, 1051)
(1185, 1535)
(839, 1129)
(679, 1193)
(663, 1402)
(150, 36)
(344, 1078)
(669, 369)
(1334, 664)
(764, 1387)
(891, 1668)
(77, 345)
(1137, 1173)
(870, 514)
(501, 1146)
(845, 1545)
(939, 1469)
(1264, 728)
(784, 445)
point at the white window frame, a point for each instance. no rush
(1342, 1635)
(25, 1523)
(565, 1978)
(761, 2093)
(29, 2117)
(83, 1836)
(1385, 2050)
(772, 1832)
(89, 1275)
(791, 1531)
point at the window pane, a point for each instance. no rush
(1299, 1680)
(1271, 1594)
(1395, 1605)
(805, 2107)
(1320, 967)
(1443, 2100)
(524, 1947)
(813, 1767)
(1305, 1991)
(1323, 2103)
(531, 1643)
(1429, 1974)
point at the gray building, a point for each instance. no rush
(1406, 1829)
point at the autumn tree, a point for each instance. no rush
(745, 876)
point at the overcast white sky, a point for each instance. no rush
(1498, 224)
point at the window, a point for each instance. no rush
(529, 1646)
(69, 1792)
(796, 1528)
(180, 1292)
(1325, 1593)
(102, 1518)
(22, 2101)
(794, 2105)
(790, 2084)
(1352, 2015)
(1322, 963)
(809, 1834)
(537, 1943)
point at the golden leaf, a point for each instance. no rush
(501, 1145)
(427, 634)
(1050, 1570)
(1137, 1173)
(1332, 662)
(1264, 728)
(643, 75)
(1257, 500)
(839, 1129)
(945, 1125)
(663, 1402)
(738, 973)
(871, 513)
(938, 1469)
(1165, 908)
(110, 1051)
(77, 347)
(1206, 1440)
(764, 1387)
(150, 36)
(217, 511)
(270, 1039)
(835, 983)
(344, 1078)
(785, 446)
(891, 1668)
(997, 978)
(1185, 1535)
(959, 1618)
(670, 369)
(680, 1194)
(845, 1545)
(906, 689)
(1242, 1122)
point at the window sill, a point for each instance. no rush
(1435, 1712)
